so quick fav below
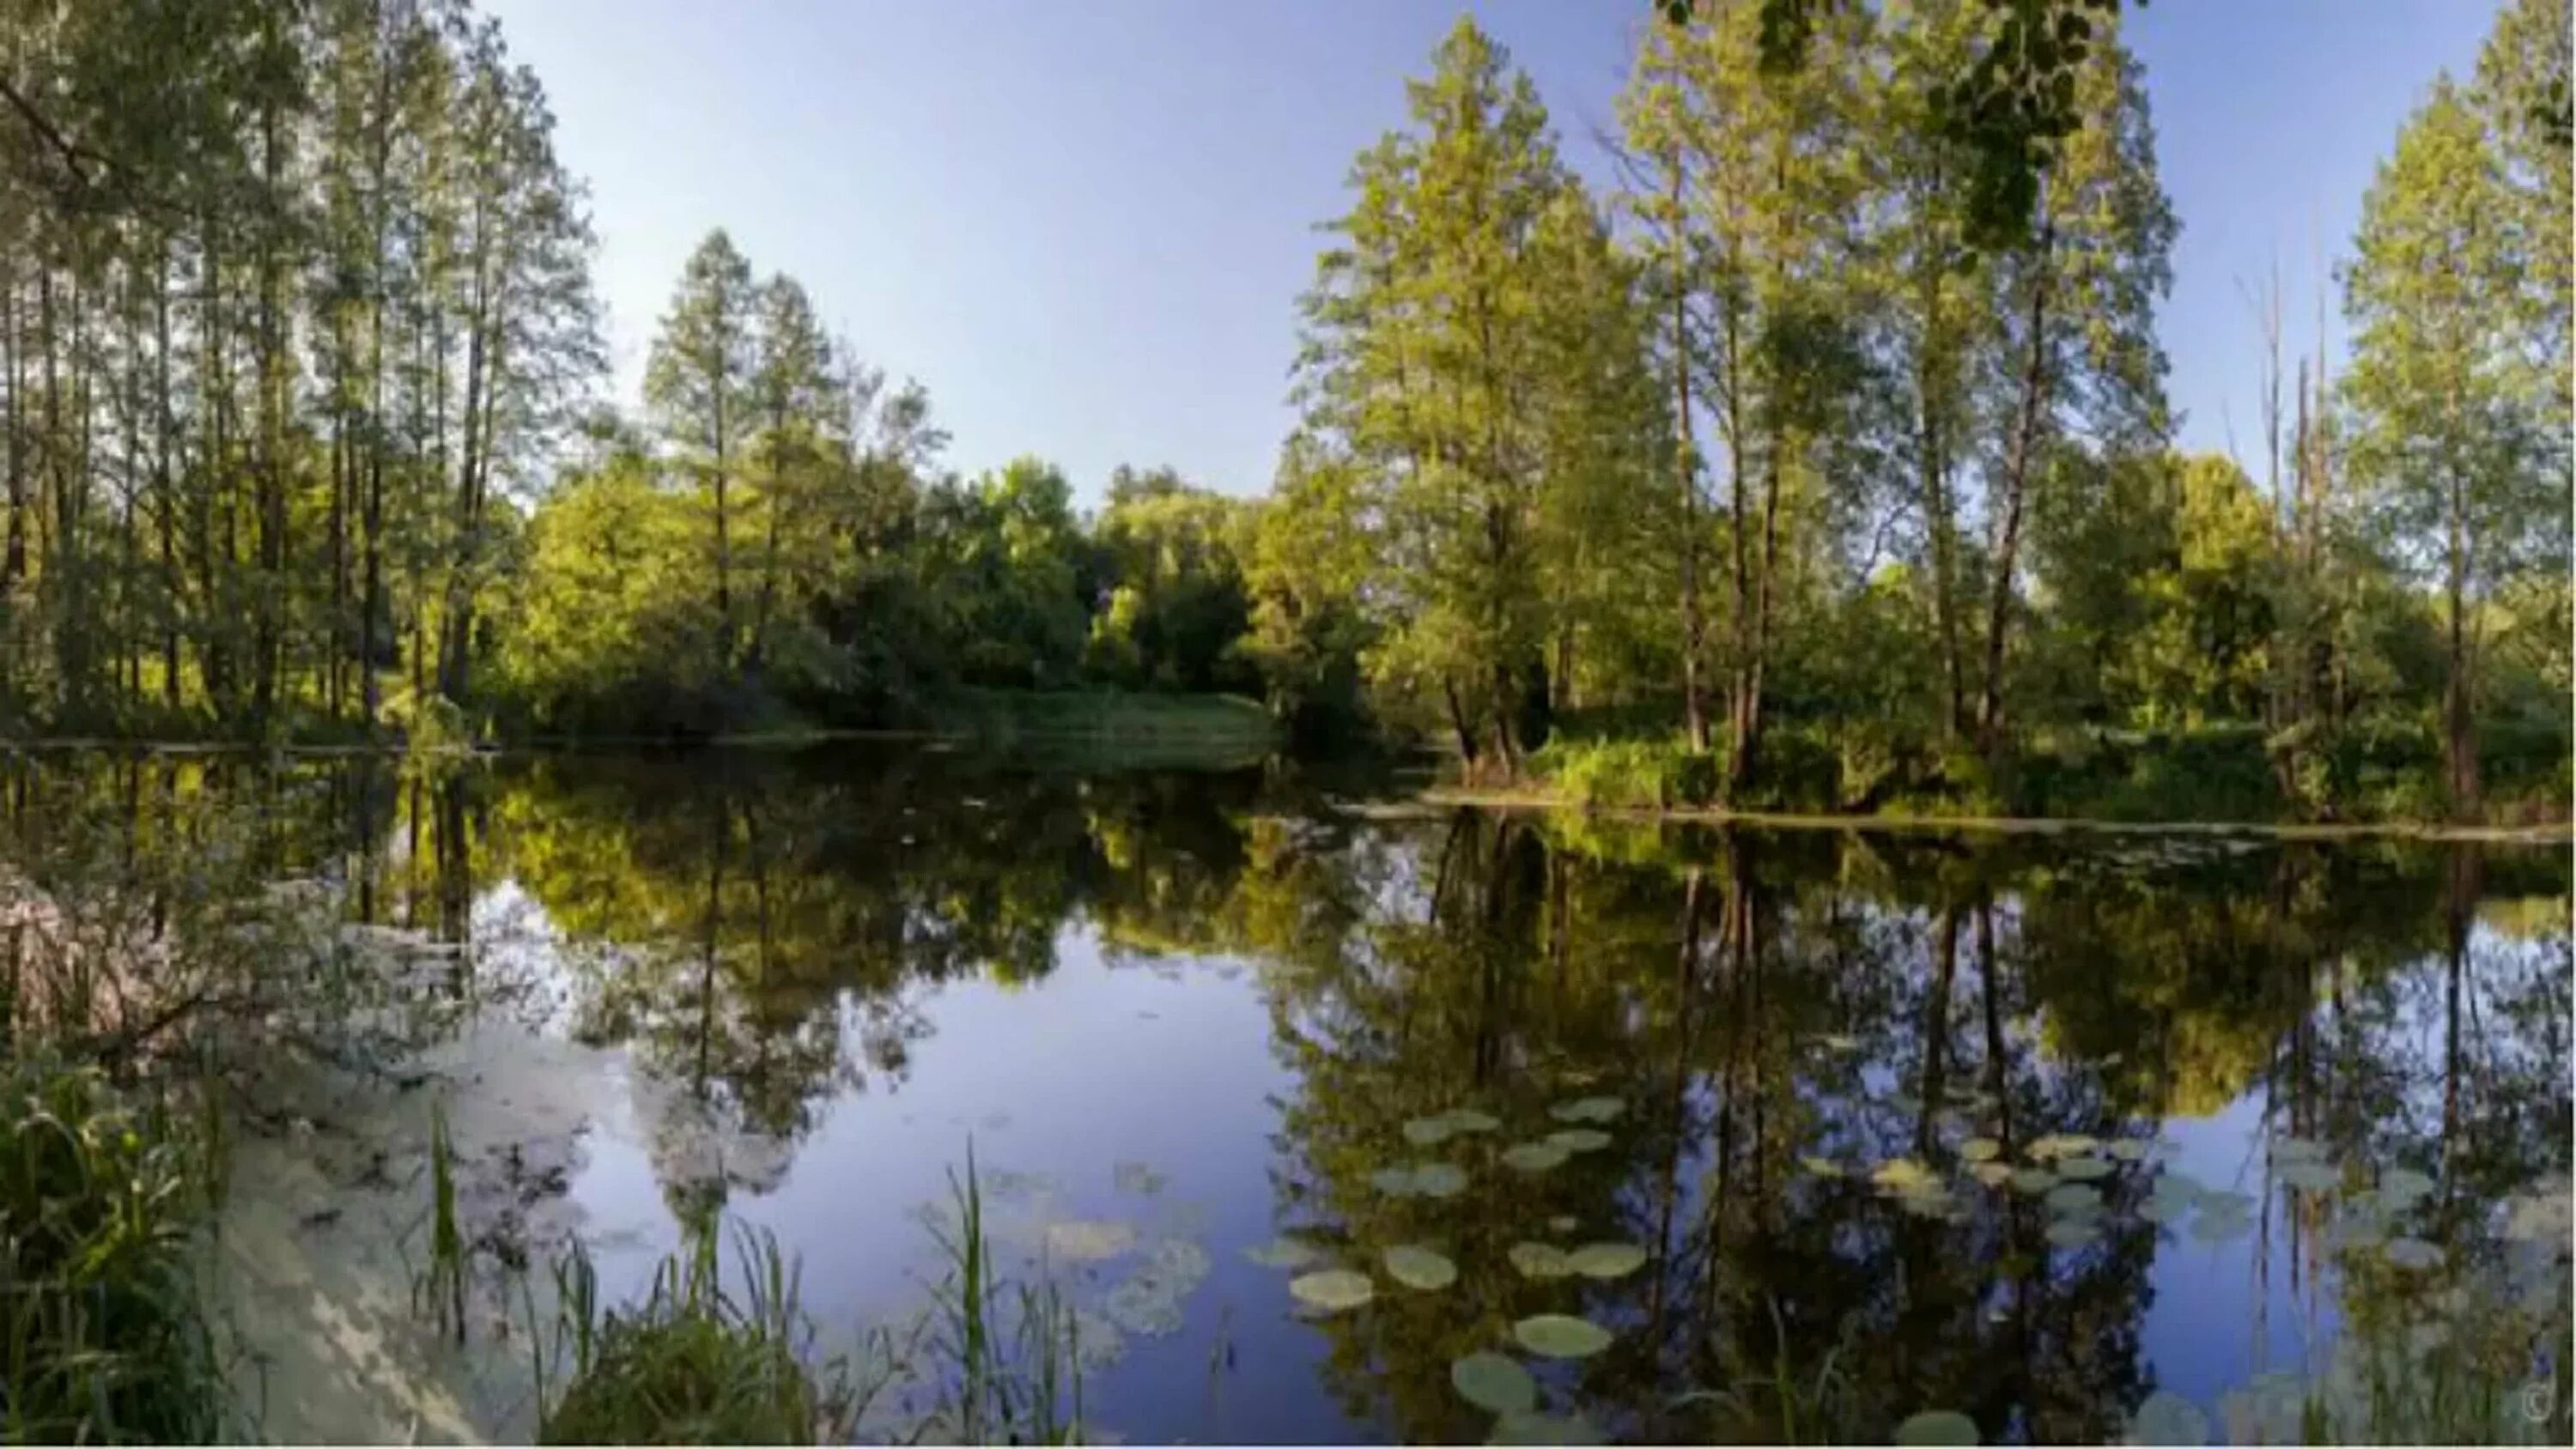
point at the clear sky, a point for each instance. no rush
(1083, 226)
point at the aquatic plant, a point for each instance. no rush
(694, 1363)
(105, 1341)
(1006, 1355)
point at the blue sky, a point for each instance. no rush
(1083, 226)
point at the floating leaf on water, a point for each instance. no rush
(1418, 1267)
(1534, 1156)
(1468, 1119)
(1089, 1241)
(2401, 1186)
(1992, 1174)
(1332, 1290)
(2073, 1232)
(2033, 1180)
(1580, 1139)
(2217, 1226)
(1494, 1383)
(2061, 1144)
(1440, 1179)
(1558, 1335)
(2158, 1209)
(2287, 1148)
(2131, 1149)
(1543, 1429)
(1138, 1178)
(1578, 1076)
(2540, 1217)
(1588, 1109)
(1820, 1166)
(2413, 1253)
(1901, 1174)
(1933, 1202)
(1539, 1260)
(1937, 1426)
(2359, 1233)
(2082, 1168)
(1145, 1306)
(1564, 1223)
(2311, 1176)
(1283, 1253)
(2073, 1197)
(1836, 1041)
(1394, 1181)
(1606, 1260)
(2168, 1418)
(1980, 1149)
(1428, 1131)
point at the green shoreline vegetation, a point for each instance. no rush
(1820, 468)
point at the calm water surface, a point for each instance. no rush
(2030, 1128)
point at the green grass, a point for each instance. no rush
(695, 1362)
(1115, 728)
(1005, 1354)
(106, 1342)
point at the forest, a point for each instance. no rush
(1817, 463)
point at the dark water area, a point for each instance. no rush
(2041, 1130)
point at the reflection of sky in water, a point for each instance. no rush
(1098, 1064)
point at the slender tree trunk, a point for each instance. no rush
(2025, 438)
(1686, 477)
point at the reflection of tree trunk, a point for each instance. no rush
(1458, 826)
(1936, 1029)
(2459, 899)
(1997, 1078)
(1685, 992)
(707, 964)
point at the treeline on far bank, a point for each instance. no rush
(1791, 472)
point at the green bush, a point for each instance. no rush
(106, 1342)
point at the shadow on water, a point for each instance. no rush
(1825, 1131)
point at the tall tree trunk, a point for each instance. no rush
(1686, 477)
(2025, 438)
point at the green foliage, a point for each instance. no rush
(99, 1295)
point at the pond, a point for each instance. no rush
(1342, 1120)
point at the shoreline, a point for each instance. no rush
(1530, 802)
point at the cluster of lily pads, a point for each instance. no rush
(1490, 1379)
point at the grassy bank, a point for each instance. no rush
(2373, 781)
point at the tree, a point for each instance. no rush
(2460, 450)
(698, 383)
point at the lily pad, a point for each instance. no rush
(1820, 1166)
(2161, 1209)
(1580, 1139)
(1992, 1174)
(1980, 1149)
(1902, 1174)
(1606, 1260)
(2061, 1144)
(2401, 1186)
(2168, 1418)
(1418, 1267)
(2073, 1232)
(1468, 1119)
(1543, 1429)
(2073, 1197)
(1440, 1179)
(1393, 1181)
(1534, 1156)
(1564, 1223)
(2219, 1225)
(1332, 1290)
(2082, 1168)
(2310, 1176)
(1283, 1253)
(2033, 1180)
(1558, 1335)
(1494, 1383)
(1429, 1131)
(1139, 1178)
(2131, 1149)
(1539, 1260)
(1937, 1426)
(2413, 1253)
(1085, 1241)
(1588, 1109)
